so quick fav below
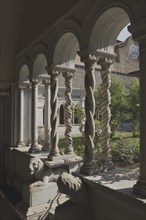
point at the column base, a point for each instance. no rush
(35, 149)
(89, 169)
(46, 146)
(106, 165)
(54, 157)
(140, 187)
(21, 144)
(46, 149)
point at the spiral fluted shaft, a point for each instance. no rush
(89, 111)
(105, 115)
(68, 113)
(54, 114)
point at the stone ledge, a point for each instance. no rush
(64, 160)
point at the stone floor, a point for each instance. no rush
(120, 178)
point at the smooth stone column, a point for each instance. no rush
(29, 115)
(34, 129)
(21, 120)
(68, 74)
(90, 61)
(47, 116)
(140, 186)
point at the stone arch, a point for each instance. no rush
(66, 50)
(22, 70)
(40, 65)
(39, 59)
(24, 74)
(110, 23)
(66, 29)
(103, 26)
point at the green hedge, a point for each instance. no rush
(124, 151)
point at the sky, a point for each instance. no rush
(124, 34)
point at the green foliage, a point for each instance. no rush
(125, 151)
(133, 94)
(78, 144)
(124, 104)
(118, 102)
(124, 148)
(133, 102)
(118, 99)
(97, 132)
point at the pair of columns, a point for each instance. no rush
(54, 150)
(35, 147)
(105, 60)
(23, 86)
(67, 74)
(90, 59)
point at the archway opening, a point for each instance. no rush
(66, 50)
(24, 74)
(40, 64)
(107, 28)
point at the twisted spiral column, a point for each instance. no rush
(68, 112)
(88, 164)
(105, 112)
(54, 114)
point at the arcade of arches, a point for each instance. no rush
(88, 29)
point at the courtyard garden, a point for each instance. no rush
(124, 106)
(124, 148)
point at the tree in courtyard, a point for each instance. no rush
(118, 102)
(133, 103)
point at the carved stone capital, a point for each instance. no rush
(45, 78)
(105, 58)
(34, 79)
(105, 63)
(105, 54)
(87, 55)
(68, 75)
(54, 70)
(24, 85)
